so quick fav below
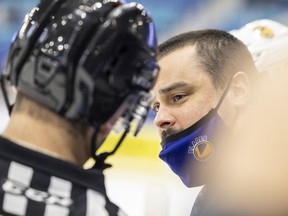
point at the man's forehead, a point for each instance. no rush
(173, 86)
(179, 79)
(188, 50)
(178, 63)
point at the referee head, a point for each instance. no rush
(79, 66)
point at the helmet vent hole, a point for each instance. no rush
(46, 68)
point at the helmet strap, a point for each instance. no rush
(100, 163)
(5, 94)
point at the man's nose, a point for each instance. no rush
(164, 118)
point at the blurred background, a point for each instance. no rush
(139, 182)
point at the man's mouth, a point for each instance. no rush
(168, 132)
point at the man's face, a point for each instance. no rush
(184, 92)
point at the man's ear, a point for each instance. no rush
(241, 89)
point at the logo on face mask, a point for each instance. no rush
(201, 148)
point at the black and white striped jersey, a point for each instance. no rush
(32, 183)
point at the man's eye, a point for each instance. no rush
(177, 97)
(155, 107)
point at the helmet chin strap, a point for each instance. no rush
(5, 94)
(100, 159)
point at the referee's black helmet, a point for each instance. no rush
(87, 60)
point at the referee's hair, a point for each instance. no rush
(33, 109)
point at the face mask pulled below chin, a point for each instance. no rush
(191, 152)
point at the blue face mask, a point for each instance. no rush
(191, 152)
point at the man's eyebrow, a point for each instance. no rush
(173, 87)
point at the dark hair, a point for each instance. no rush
(220, 53)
